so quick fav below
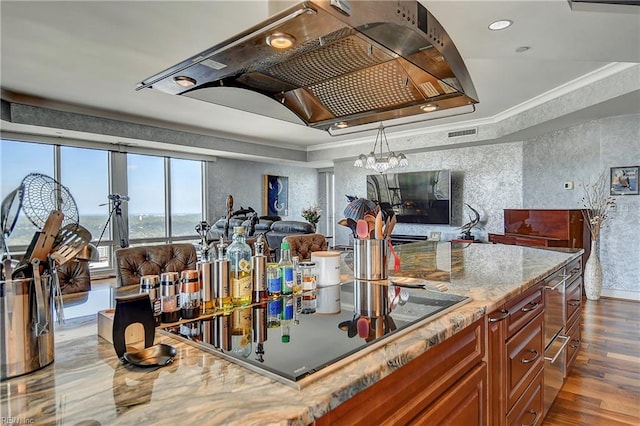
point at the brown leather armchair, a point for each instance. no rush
(134, 262)
(303, 245)
(74, 277)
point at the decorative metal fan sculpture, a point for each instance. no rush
(42, 194)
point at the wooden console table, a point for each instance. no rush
(545, 228)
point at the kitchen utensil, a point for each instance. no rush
(362, 229)
(396, 258)
(42, 194)
(390, 225)
(153, 356)
(411, 282)
(71, 239)
(47, 236)
(357, 208)
(9, 212)
(378, 226)
(40, 245)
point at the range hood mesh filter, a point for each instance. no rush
(375, 88)
(277, 57)
(329, 61)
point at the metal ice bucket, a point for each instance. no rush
(26, 326)
(370, 259)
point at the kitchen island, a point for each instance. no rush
(88, 385)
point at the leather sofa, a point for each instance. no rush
(304, 244)
(284, 228)
(134, 262)
(217, 229)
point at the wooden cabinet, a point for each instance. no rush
(448, 381)
(545, 228)
(515, 355)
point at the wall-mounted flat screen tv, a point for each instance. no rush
(415, 197)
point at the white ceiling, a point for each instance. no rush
(90, 55)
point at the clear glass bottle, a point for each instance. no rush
(287, 274)
(239, 255)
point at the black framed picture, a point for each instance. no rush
(624, 180)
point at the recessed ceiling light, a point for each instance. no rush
(280, 40)
(184, 81)
(500, 25)
(341, 125)
(429, 107)
(523, 49)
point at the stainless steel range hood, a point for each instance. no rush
(349, 64)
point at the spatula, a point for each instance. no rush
(362, 229)
(70, 241)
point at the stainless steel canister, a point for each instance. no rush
(150, 284)
(370, 259)
(26, 326)
(205, 272)
(221, 284)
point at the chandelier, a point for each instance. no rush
(381, 162)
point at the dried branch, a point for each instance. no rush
(597, 203)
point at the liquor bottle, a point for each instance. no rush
(259, 271)
(287, 274)
(239, 255)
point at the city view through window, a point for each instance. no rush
(86, 174)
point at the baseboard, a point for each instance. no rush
(621, 294)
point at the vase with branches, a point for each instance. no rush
(597, 204)
(312, 215)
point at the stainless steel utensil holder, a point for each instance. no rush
(370, 259)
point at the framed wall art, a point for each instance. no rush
(276, 197)
(624, 180)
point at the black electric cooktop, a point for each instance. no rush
(295, 338)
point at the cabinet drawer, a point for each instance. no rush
(525, 357)
(524, 308)
(573, 301)
(529, 409)
(574, 268)
(463, 404)
(573, 347)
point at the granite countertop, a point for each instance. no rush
(88, 385)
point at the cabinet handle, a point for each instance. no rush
(564, 345)
(576, 344)
(573, 302)
(535, 418)
(505, 314)
(530, 360)
(560, 283)
(534, 306)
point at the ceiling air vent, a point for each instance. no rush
(467, 132)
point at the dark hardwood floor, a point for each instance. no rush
(604, 386)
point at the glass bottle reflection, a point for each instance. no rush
(241, 332)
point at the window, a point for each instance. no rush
(146, 183)
(17, 160)
(86, 173)
(186, 196)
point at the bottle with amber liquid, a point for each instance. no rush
(239, 255)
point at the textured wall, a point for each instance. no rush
(489, 178)
(580, 154)
(245, 181)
